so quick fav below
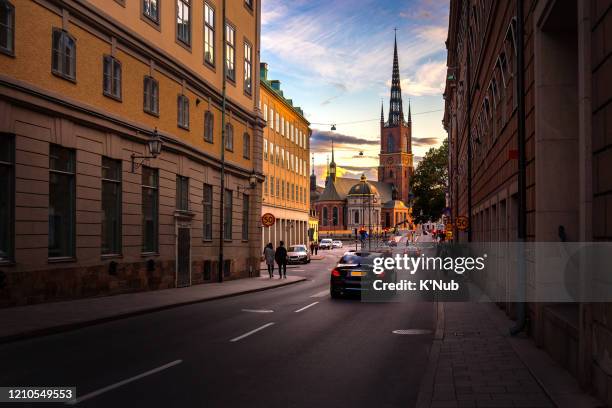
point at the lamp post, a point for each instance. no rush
(154, 146)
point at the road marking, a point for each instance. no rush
(235, 339)
(322, 293)
(297, 270)
(306, 307)
(412, 331)
(258, 311)
(124, 382)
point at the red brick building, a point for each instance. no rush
(529, 122)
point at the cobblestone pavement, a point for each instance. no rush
(474, 365)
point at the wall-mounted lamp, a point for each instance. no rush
(154, 145)
(252, 183)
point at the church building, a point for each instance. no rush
(346, 204)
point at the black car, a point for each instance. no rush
(354, 274)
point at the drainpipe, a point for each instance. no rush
(521, 322)
(469, 137)
(222, 198)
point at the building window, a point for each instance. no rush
(227, 215)
(249, 4)
(7, 27)
(182, 103)
(265, 149)
(245, 217)
(151, 95)
(183, 21)
(246, 146)
(248, 64)
(335, 216)
(209, 34)
(325, 216)
(62, 202)
(271, 153)
(356, 217)
(271, 186)
(111, 206)
(111, 82)
(230, 52)
(278, 128)
(207, 202)
(278, 155)
(182, 193)
(63, 61)
(150, 204)
(271, 118)
(229, 137)
(150, 9)
(265, 112)
(208, 126)
(277, 188)
(7, 197)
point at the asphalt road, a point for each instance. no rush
(287, 347)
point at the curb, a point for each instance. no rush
(79, 325)
(427, 383)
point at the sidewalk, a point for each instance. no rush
(474, 362)
(46, 318)
(264, 267)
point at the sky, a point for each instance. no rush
(334, 58)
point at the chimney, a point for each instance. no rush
(263, 71)
(275, 83)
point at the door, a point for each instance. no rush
(183, 257)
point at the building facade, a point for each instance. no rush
(85, 86)
(346, 204)
(528, 102)
(286, 191)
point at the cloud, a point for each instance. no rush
(339, 44)
(320, 141)
(425, 141)
(328, 100)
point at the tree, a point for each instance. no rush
(429, 184)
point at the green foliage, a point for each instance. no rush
(429, 184)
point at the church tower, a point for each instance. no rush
(395, 159)
(332, 166)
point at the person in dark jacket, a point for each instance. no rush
(281, 260)
(311, 247)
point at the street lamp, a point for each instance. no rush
(154, 145)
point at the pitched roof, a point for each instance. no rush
(338, 190)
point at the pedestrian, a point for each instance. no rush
(316, 246)
(269, 256)
(312, 246)
(281, 260)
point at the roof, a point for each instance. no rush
(399, 204)
(338, 190)
(363, 188)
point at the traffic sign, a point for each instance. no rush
(462, 223)
(268, 220)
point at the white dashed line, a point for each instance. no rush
(320, 294)
(306, 307)
(235, 339)
(258, 311)
(124, 382)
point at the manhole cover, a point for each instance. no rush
(412, 331)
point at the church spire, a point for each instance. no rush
(382, 112)
(313, 177)
(332, 166)
(409, 113)
(396, 112)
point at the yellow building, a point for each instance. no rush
(85, 87)
(286, 193)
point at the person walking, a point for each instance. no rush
(316, 246)
(269, 256)
(312, 246)
(281, 260)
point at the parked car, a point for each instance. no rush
(326, 243)
(354, 274)
(337, 244)
(298, 254)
